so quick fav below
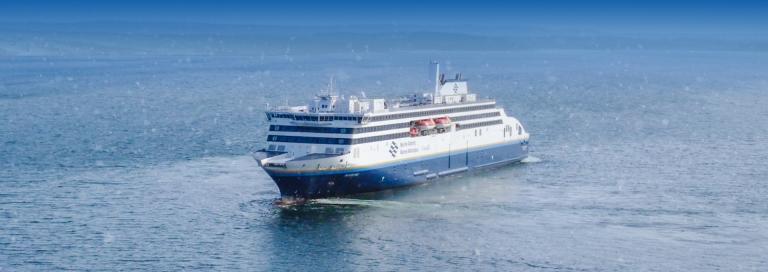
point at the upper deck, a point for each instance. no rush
(321, 118)
(325, 109)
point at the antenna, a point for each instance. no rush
(330, 85)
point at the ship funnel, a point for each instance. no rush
(433, 78)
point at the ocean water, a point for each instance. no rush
(117, 158)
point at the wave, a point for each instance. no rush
(374, 203)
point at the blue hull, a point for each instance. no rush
(408, 173)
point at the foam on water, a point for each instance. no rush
(530, 159)
(376, 203)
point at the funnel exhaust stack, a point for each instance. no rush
(434, 78)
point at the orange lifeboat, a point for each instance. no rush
(443, 122)
(414, 132)
(425, 124)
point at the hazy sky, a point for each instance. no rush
(579, 13)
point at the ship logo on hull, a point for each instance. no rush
(393, 148)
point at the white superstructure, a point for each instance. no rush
(336, 133)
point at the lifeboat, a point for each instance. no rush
(425, 124)
(414, 132)
(443, 122)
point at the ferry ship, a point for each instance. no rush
(335, 146)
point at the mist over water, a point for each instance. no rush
(125, 146)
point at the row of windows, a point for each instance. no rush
(271, 115)
(432, 112)
(381, 138)
(328, 118)
(346, 141)
(308, 140)
(311, 129)
(336, 130)
(369, 129)
(334, 141)
(316, 118)
(380, 128)
(476, 116)
(479, 124)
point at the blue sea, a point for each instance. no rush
(126, 147)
